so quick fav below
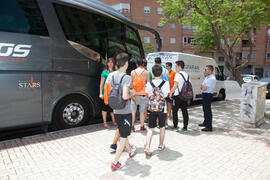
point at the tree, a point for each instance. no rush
(220, 24)
(148, 47)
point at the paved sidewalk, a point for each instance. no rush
(229, 152)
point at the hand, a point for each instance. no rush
(137, 103)
(132, 92)
(170, 95)
(101, 96)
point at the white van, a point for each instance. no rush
(194, 66)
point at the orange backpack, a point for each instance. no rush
(138, 84)
(107, 89)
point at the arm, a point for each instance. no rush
(101, 87)
(175, 86)
(203, 87)
(127, 93)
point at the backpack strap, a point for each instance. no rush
(184, 80)
(142, 72)
(122, 78)
(152, 84)
(184, 77)
(161, 84)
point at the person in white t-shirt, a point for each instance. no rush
(178, 103)
(159, 113)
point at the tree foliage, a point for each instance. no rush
(220, 24)
(148, 47)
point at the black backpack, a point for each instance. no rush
(186, 92)
(115, 98)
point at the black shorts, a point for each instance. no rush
(152, 121)
(124, 124)
(106, 108)
(169, 100)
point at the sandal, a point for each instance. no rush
(106, 125)
(147, 152)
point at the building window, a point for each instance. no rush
(188, 28)
(238, 56)
(159, 10)
(172, 40)
(122, 7)
(245, 55)
(147, 23)
(188, 41)
(22, 16)
(173, 26)
(147, 40)
(267, 55)
(245, 43)
(146, 10)
(160, 25)
(268, 44)
(268, 31)
(221, 59)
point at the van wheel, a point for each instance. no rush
(71, 112)
(221, 95)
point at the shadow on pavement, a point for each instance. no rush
(135, 168)
(167, 154)
(226, 121)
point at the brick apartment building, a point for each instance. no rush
(177, 37)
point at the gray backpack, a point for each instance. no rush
(115, 98)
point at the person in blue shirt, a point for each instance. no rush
(165, 72)
(207, 88)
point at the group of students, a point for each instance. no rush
(156, 98)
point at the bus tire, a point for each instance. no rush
(72, 111)
(221, 95)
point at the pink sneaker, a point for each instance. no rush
(161, 147)
(143, 128)
(132, 128)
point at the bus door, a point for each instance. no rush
(24, 55)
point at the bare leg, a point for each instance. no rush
(161, 136)
(142, 118)
(116, 136)
(120, 149)
(133, 118)
(128, 146)
(149, 137)
(104, 117)
(113, 119)
(169, 110)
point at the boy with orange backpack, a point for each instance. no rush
(139, 79)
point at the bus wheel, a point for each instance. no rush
(71, 112)
(221, 95)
